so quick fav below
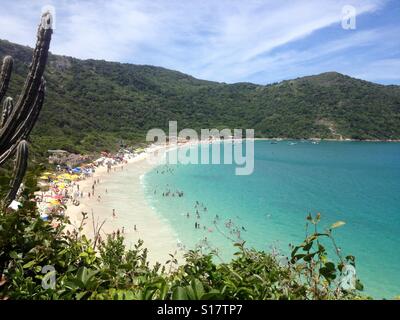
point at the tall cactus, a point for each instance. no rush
(21, 162)
(5, 75)
(17, 120)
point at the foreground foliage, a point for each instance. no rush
(42, 261)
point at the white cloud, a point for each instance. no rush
(380, 70)
(224, 40)
(284, 65)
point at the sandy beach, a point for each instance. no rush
(121, 192)
(130, 207)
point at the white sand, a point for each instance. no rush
(125, 194)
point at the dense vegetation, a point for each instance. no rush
(39, 260)
(91, 105)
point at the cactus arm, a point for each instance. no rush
(8, 105)
(31, 86)
(8, 153)
(26, 127)
(19, 172)
(37, 107)
(5, 75)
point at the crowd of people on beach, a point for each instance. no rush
(61, 187)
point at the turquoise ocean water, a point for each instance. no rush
(356, 182)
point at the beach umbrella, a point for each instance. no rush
(57, 196)
(43, 177)
(64, 176)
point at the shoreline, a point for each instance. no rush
(134, 217)
(158, 234)
(160, 243)
(139, 220)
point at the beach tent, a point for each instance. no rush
(44, 216)
(15, 205)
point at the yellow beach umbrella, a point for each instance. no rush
(43, 177)
(64, 176)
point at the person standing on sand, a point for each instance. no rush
(113, 213)
(134, 227)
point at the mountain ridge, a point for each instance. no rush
(92, 104)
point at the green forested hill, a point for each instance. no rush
(93, 104)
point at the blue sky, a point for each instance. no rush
(260, 41)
